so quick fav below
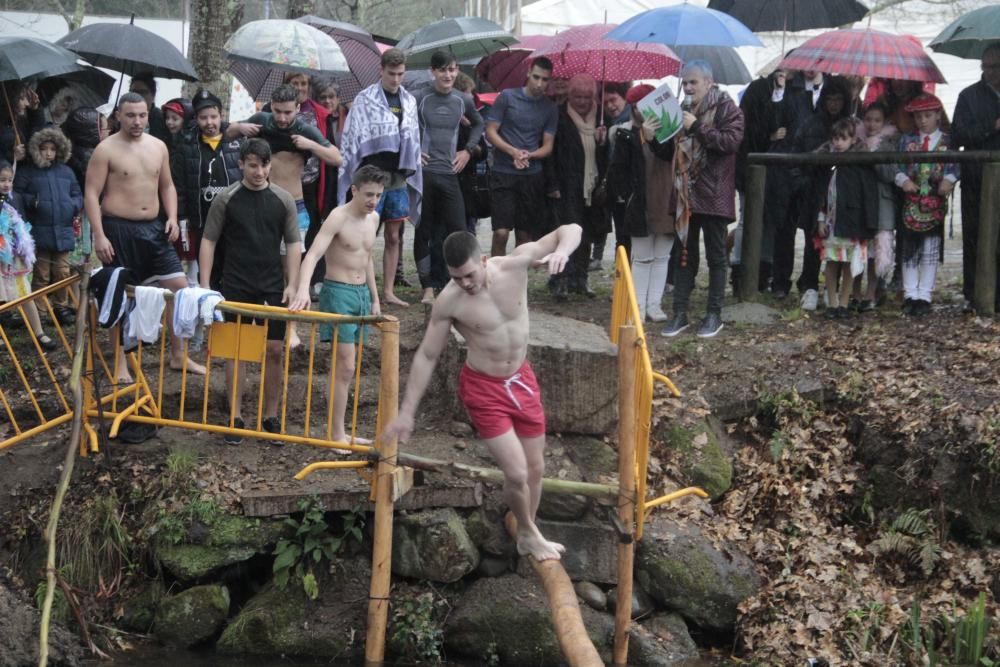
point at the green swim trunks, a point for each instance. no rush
(344, 299)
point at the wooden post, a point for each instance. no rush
(378, 596)
(986, 251)
(627, 342)
(753, 231)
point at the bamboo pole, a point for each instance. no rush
(75, 383)
(986, 251)
(576, 645)
(378, 596)
(753, 231)
(627, 342)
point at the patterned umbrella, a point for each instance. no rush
(465, 36)
(290, 46)
(584, 50)
(363, 58)
(865, 53)
(508, 67)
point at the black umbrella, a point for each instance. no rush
(727, 66)
(791, 15)
(465, 36)
(87, 78)
(129, 49)
(25, 57)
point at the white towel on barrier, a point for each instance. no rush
(206, 306)
(144, 320)
(188, 309)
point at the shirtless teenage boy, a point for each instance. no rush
(487, 302)
(346, 239)
(131, 169)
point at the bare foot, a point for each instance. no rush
(356, 440)
(389, 297)
(193, 367)
(539, 548)
(293, 338)
(124, 378)
(427, 296)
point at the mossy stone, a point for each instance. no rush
(191, 616)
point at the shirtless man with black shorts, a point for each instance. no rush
(487, 302)
(127, 178)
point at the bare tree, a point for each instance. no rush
(297, 8)
(74, 15)
(211, 25)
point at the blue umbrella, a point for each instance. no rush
(677, 25)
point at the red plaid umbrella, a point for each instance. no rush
(865, 52)
(584, 50)
(508, 67)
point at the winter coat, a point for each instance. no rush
(761, 120)
(975, 128)
(627, 175)
(52, 192)
(83, 129)
(814, 131)
(27, 125)
(857, 196)
(713, 192)
(187, 164)
(567, 162)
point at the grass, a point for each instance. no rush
(96, 548)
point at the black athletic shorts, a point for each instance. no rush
(142, 247)
(518, 202)
(275, 328)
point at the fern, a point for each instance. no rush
(911, 536)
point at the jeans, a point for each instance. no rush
(714, 228)
(443, 212)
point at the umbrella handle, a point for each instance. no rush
(13, 118)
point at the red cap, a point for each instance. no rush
(175, 107)
(636, 93)
(924, 102)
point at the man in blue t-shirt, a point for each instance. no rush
(521, 126)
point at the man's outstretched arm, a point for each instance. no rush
(552, 249)
(421, 369)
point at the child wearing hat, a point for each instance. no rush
(926, 188)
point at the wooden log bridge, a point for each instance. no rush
(574, 641)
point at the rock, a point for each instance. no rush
(139, 610)
(682, 570)
(433, 545)
(486, 530)
(19, 637)
(595, 458)
(703, 458)
(567, 355)
(491, 566)
(661, 641)
(591, 550)
(561, 506)
(591, 594)
(228, 540)
(285, 622)
(191, 616)
(748, 312)
(460, 429)
(508, 619)
(642, 604)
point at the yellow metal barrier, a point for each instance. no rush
(31, 382)
(625, 312)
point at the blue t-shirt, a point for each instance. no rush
(523, 120)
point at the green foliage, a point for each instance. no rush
(311, 543)
(95, 548)
(60, 609)
(780, 443)
(853, 387)
(958, 642)
(911, 536)
(785, 406)
(415, 630)
(864, 628)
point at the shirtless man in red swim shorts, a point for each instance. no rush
(487, 302)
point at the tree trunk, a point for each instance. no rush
(211, 26)
(297, 8)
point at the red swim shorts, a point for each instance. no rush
(497, 404)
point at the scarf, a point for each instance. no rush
(372, 128)
(586, 127)
(320, 112)
(690, 159)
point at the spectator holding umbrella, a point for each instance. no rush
(976, 128)
(145, 85)
(705, 188)
(21, 115)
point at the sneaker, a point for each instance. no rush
(866, 306)
(711, 325)
(272, 425)
(843, 313)
(234, 438)
(677, 325)
(855, 305)
(832, 313)
(921, 308)
(46, 343)
(779, 293)
(655, 314)
(810, 298)
(908, 306)
(65, 315)
(967, 307)
(595, 265)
